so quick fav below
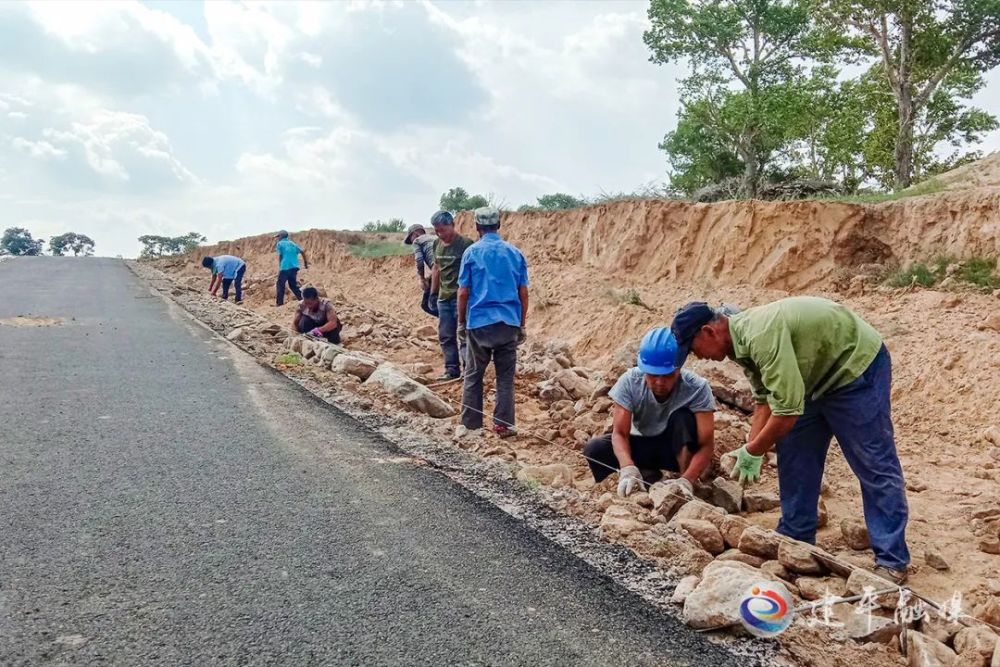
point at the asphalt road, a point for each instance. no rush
(165, 500)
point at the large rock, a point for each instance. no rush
(976, 641)
(556, 475)
(426, 331)
(667, 499)
(855, 534)
(354, 364)
(989, 611)
(737, 555)
(331, 352)
(696, 509)
(775, 569)
(862, 579)
(704, 533)
(619, 522)
(575, 386)
(866, 628)
(732, 528)
(757, 541)
(761, 501)
(678, 551)
(941, 629)
(797, 557)
(811, 588)
(716, 599)
(409, 391)
(727, 494)
(922, 651)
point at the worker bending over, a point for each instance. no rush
(317, 317)
(664, 419)
(423, 255)
(226, 270)
(817, 370)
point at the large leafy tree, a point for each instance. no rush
(18, 241)
(71, 241)
(159, 246)
(921, 46)
(557, 201)
(393, 225)
(457, 199)
(743, 54)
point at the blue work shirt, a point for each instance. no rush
(227, 265)
(288, 254)
(493, 270)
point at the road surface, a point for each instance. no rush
(165, 500)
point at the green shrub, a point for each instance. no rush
(916, 273)
(290, 359)
(373, 249)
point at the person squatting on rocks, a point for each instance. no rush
(664, 419)
(423, 254)
(817, 370)
(226, 270)
(317, 317)
(449, 248)
(288, 267)
(492, 314)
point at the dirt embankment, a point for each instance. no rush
(602, 275)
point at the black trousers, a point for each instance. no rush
(226, 282)
(291, 278)
(307, 324)
(658, 452)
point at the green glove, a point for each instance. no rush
(747, 468)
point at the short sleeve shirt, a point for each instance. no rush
(423, 250)
(321, 314)
(494, 271)
(449, 260)
(288, 254)
(227, 265)
(650, 416)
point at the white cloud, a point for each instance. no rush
(37, 149)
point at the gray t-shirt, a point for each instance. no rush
(649, 416)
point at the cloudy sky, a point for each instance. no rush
(165, 117)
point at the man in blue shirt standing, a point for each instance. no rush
(226, 269)
(288, 267)
(492, 310)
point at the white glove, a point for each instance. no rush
(629, 481)
(681, 485)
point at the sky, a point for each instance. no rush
(230, 119)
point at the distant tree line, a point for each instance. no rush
(19, 241)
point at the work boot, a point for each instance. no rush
(897, 577)
(445, 377)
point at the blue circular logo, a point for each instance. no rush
(767, 609)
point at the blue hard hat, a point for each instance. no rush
(658, 352)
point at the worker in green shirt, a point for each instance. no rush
(817, 370)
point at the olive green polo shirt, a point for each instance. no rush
(801, 348)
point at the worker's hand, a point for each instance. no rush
(316, 332)
(461, 333)
(682, 486)
(521, 335)
(629, 481)
(747, 468)
(425, 284)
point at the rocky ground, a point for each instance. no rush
(712, 548)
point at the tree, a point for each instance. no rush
(394, 225)
(457, 199)
(752, 45)
(18, 241)
(920, 46)
(557, 201)
(159, 246)
(78, 243)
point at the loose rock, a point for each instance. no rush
(797, 557)
(619, 522)
(408, 391)
(667, 499)
(922, 651)
(990, 545)
(704, 533)
(935, 560)
(989, 611)
(716, 598)
(575, 386)
(855, 535)
(678, 551)
(759, 542)
(556, 475)
(732, 528)
(776, 570)
(861, 579)
(696, 509)
(865, 628)
(761, 501)
(812, 588)
(739, 556)
(976, 640)
(354, 364)
(727, 494)
(941, 629)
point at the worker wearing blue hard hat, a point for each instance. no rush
(817, 370)
(663, 420)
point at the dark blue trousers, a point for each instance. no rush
(859, 415)
(287, 277)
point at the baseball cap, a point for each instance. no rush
(409, 233)
(688, 321)
(487, 216)
(281, 235)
